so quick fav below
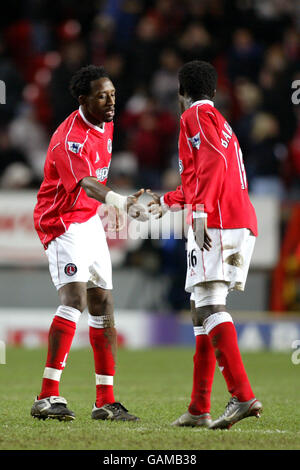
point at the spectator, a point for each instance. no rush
(292, 169)
(249, 100)
(74, 55)
(196, 42)
(125, 15)
(266, 157)
(244, 57)
(115, 66)
(144, 51)
(35, 148)
(165, 81)
(101, 38)
(15, 172)
(150, 133)
(10, 75)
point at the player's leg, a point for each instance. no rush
(198, 413)
(204, 368)
(212, 314)
(49, 404)
(68, 258)
(103, 339)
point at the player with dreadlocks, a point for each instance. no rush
(67, 223)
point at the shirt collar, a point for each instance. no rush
(97, 128)
(202, 102)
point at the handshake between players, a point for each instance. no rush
(157, 208)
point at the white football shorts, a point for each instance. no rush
(228, 260)
(81, 254)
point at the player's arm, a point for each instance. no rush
(103, 194)
(173, 200)
(201, 234)
(76, 170)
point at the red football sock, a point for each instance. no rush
(203, 376)
(104, 341)
(60, 339)
(225, 342)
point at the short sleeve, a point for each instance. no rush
(72, 164)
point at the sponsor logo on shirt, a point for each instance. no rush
(181, 167)
(102, 173)
(74, 147)
(70, 269)
(195, 141)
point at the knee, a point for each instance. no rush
(75, 299)
(199, 315)
(101, 304)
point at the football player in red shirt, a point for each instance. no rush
(66, 220)
(220, 243)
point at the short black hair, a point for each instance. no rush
(80, 83)
(197, 78)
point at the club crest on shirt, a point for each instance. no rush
(74, 147)
(195, 141)
(70, 269)
(181, 168)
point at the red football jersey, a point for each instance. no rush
(212, 170)
(77, 149)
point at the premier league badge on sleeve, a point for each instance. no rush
(74, 147)
(195, 141)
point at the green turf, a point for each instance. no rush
(155, 385)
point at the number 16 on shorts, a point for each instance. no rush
(192, 259)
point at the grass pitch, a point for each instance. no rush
(155, 385)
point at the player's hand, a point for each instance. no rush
(135, 210)
(156, 207)
(201, 235)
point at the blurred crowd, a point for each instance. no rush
(254, 45)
